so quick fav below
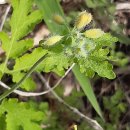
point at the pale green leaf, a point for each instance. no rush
(26, 61)
(106, 40)
(20, 47)
(17, 48)
(104, 69)
(22, 21)
(28, 84)
(20, 115)
(56, 62)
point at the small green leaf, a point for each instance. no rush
(26, 61)
(20, 115)
(104, 69)
(23, 19)
(106, 40)
(56, 62)
(28, 84)
(20, 47)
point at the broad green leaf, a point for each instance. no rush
(19, 115)
(87, 88)
(97, 62)
(28, 84)
(22, 21)
(17, 48)
(104, 69)
(20, 47)
(26, 61)
(54, 62)
(2, 122)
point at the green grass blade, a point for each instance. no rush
(48, 8)
(87, 88)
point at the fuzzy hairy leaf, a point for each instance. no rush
(47, 6)
(97, 60)
(102, 67)
(106, 40)
(22, 116)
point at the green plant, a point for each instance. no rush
(48, 12)
(19, 116)
(115, 107)
(89, 50)
(110, 22)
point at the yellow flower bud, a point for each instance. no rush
(53, 40)
(58, 19)
(83, 19)
(93, 33)
(75, 127)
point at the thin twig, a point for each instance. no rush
(123, 6)
(31, 94)
(4, 17)
(93, 123)
(3, 2)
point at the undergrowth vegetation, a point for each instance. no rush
(88, 51)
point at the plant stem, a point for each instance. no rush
(4, 17)
(32, 94)
(93, 123)
(24, 78)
